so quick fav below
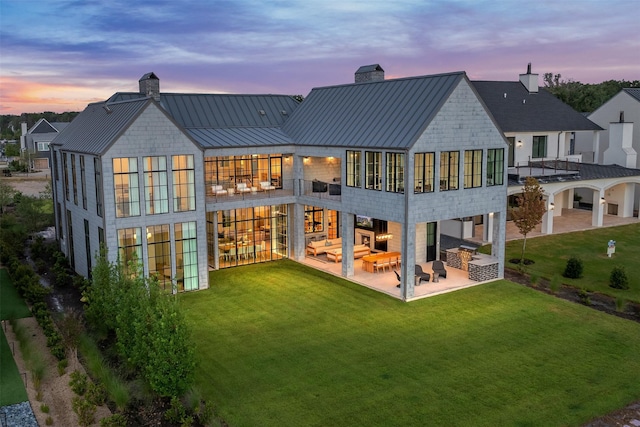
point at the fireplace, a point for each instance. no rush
(364, 237)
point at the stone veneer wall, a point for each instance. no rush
(453, 259)
(480, 273)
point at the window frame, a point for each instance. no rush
(353, 167)
(472, 169)
(373, 170)
(395, 163)
(424, 172)
(539, 143)
(449, 170)
(495, 167)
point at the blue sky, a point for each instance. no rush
(59, 55)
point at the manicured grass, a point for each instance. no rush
(11, 305)
(12, 390)
(280, 344)
(551, 253)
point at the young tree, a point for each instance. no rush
(531, 207)
(6, 195)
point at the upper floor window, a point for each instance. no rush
(395, 172)
(449, 168)
(156, 190)
(373, 170)
(97, 172)
(55, 165)
(184, 188)
(126, 186)
(65, 171)
(472, 168)
(43, 146)
(74, 180)
(424, 169)
(83, 183)
(353, 168)
(539, 147)
(495, 166)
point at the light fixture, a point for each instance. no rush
(382, 237)
(519, 144)
(551, 206)
(602, 201)
(306, 160)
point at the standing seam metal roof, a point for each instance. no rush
(633, 92)
(389, 113)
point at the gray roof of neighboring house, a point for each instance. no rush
(517, 110)
(389, 113)
(633, 92)
(95, 129)
(578, 172)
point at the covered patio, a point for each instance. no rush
(386, 281)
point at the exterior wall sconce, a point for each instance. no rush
(330, 159)
(551, 206)
(306, 160)
(602, 201)
(519, 144)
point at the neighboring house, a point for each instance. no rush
(620, 141)
(187, 183)
(542, 131)
(36, 142)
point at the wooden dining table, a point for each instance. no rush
(369, 261)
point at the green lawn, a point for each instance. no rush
(11, 305)
(280, 344)
(551, 253)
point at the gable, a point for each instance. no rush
(43, 126)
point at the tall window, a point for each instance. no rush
(184, 189)
(449, 170)
(313, 219)
(353, 168)
(72, 252)
(373, 170)
(472, 168)
(539, 147)
(129, 246)
(74, 180)
(395, 172)
(60, 230)
(55, 165)
(159, 254)
(156, 190)
(65, 170)
(495, 166)
(186, 256)
(83, 183)
(97, 168)
(125, 177)
(424, 172)
(87, 245)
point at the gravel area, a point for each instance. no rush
(18, 415)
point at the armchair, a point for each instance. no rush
(424, 277)
(438, 267)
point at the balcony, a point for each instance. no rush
(321, 189)
(224, 192)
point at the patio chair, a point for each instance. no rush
(424, 277)
(399, 279)
(438, 267)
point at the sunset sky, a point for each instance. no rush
(59, 55)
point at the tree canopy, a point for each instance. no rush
(585, 98)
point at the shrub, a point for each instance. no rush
(85, 410)
(62, 366)
(574, 267)
(44, 408)
(176, 413)
(621, 304)
(554, 285)
(96, 394)
(78, 383)
(49, 421)
(584, 297)
(115, 420)
(618, 278)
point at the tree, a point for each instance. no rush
(6, 195)
(531, 207)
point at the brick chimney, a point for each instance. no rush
(370, 73)
(150, 86)
(530, 81)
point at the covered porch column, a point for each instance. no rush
(348, 235)
(547, 218)
(628, 201)
(597, 215)
(215, 245)
(297, 232)
(487, 230)
(408, 274)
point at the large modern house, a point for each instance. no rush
(542, 132)
(187, 183)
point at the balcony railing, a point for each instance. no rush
(321, 189)
(220, 192)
